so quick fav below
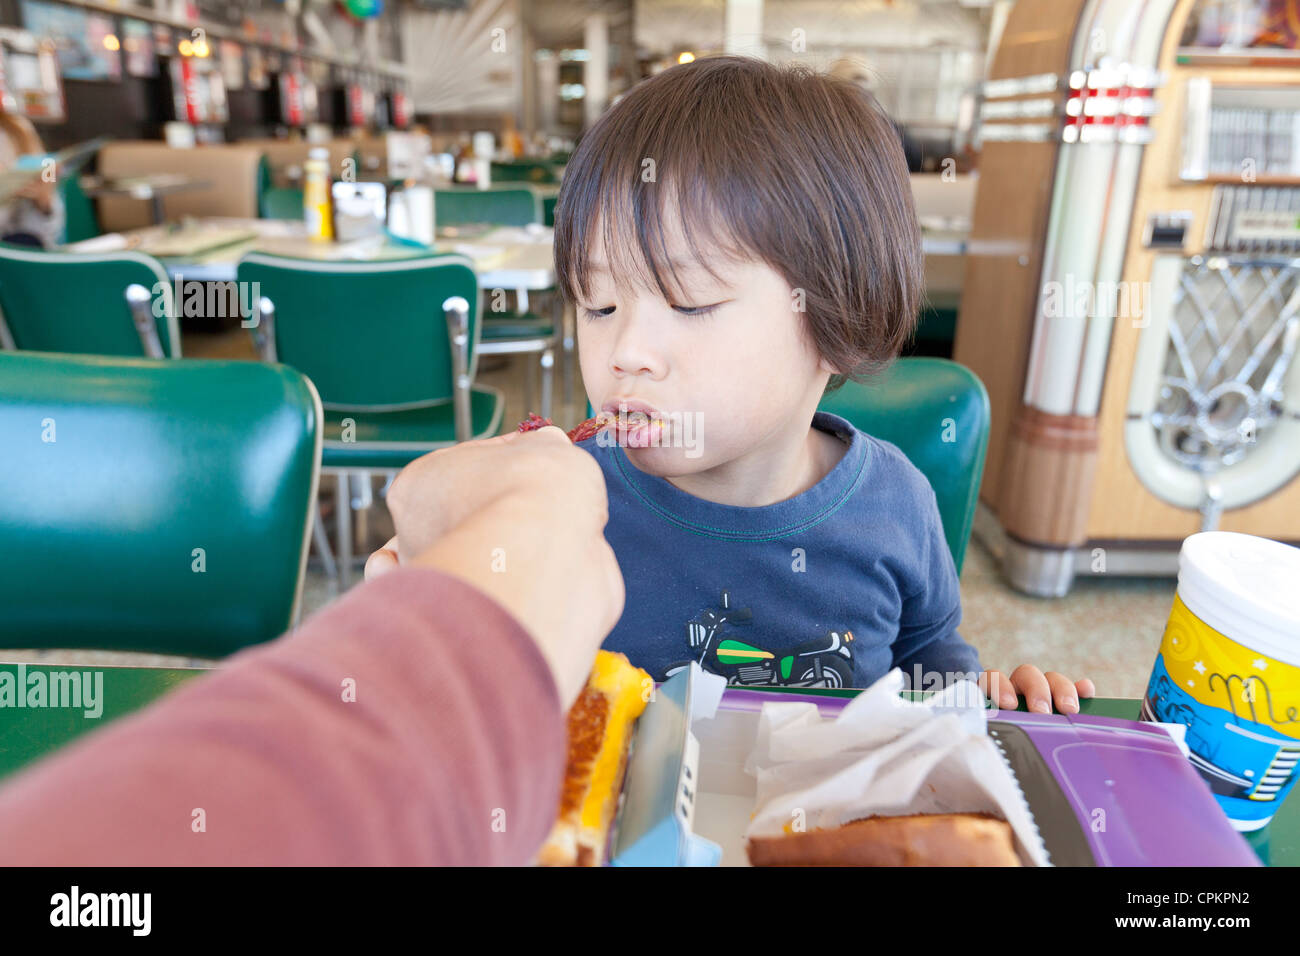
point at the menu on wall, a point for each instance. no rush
(138, 48)
(86, 46)
(232, 64)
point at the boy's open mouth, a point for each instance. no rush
(636, 429)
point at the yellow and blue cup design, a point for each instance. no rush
(1241, 708)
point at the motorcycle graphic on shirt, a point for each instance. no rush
(826, 661)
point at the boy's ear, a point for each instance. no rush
(825, 366)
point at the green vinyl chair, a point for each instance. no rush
(524, 171)
(516, 204)
(937, 413)
(280, 202)
(80, 221)
(392, 347)
(118, 303)
(517, 331)
(151, 505)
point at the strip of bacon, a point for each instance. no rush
(580, 432)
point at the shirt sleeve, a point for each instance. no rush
(928, 648)
(413, 722)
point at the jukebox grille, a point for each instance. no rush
(1232, 337)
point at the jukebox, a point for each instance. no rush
(1132, 288)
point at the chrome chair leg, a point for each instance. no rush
(548, 381)
(363, 498)
(343, 512)
(567, 355)
(530, 380)
(322, 542)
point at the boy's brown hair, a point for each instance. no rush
(796, 168)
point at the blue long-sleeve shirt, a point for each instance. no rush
(832, 587)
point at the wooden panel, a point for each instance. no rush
(1121, 506)
(1037, 38)
(1050, 463)
(1000, 289)
(1008, 230)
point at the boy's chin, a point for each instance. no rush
(664, 462)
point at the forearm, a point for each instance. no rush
(413, 722)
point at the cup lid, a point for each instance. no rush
(1245, 587)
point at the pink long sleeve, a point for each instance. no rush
(452, 752)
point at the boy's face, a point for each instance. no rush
(730, 368)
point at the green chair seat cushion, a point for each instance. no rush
(383, 439)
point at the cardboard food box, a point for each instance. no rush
(1101, 791)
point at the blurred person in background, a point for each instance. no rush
(856, 71)
(33, 215)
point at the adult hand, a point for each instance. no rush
(522, 518)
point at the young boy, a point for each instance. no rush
(736, 237)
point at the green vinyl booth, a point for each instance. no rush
(392, 346)
(937, 413)
(151, 505)
(117, 303)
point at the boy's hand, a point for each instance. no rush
(1039, 690)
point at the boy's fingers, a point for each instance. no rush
(383, 560)
(1063, 693)
(997, 687)
(1086, 687)
(1031, 683)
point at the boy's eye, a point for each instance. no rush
(598, 313)
(696, 309)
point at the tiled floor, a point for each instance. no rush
(1106, 629)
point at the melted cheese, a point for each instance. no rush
(627, 689)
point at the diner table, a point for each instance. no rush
(28, 733)
(518, 258)
(152, 188)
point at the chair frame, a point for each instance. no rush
(544, 347)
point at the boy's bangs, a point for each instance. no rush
(637, 219)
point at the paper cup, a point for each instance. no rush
(1229, 670)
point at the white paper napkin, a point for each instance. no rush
(884, 756)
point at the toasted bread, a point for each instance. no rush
(940, 839)
(600, 735)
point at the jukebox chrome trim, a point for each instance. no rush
(1213, 411)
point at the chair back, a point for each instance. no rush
(118, 303)
(515, 205)
(937, 413)
(370, 335)
(524, 171)
(153, 505)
